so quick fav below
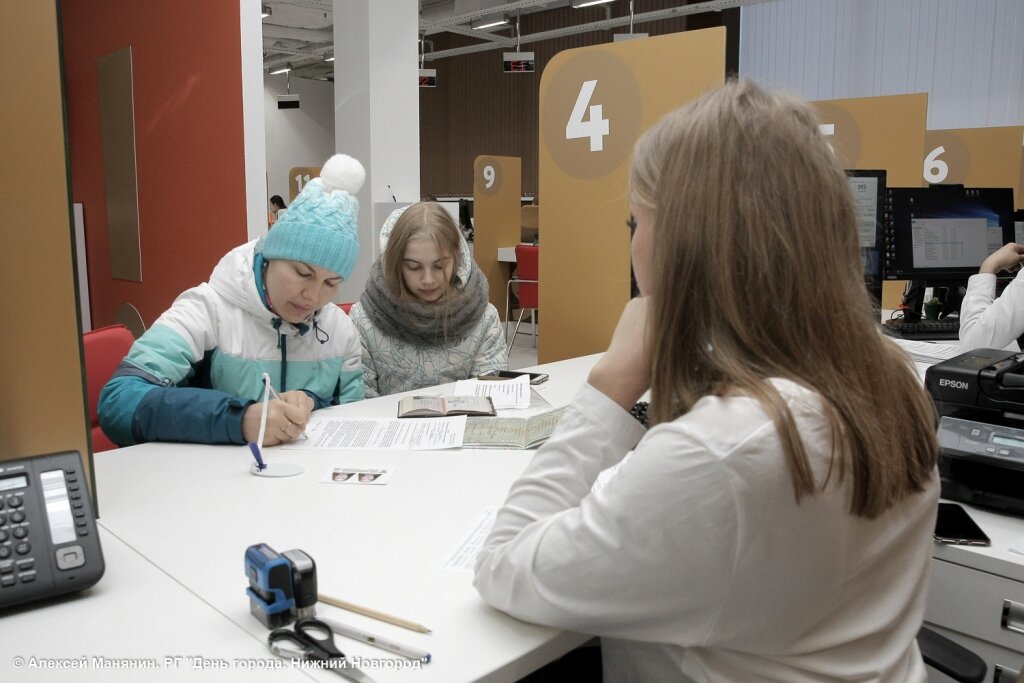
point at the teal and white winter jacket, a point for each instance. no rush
(192, 374)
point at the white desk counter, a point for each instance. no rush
(507, 254)
(176, 520)
(976, 596)
(192, 510)
(136, 615)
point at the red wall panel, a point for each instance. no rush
(186, 70)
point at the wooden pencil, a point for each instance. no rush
(372, 613)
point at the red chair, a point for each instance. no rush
(104, 349)
(527, 274)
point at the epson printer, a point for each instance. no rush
(979, 397)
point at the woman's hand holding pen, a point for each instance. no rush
(624, 372)
(286, 419)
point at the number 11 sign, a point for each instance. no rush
(298, 176)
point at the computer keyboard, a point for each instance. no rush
(947, 328)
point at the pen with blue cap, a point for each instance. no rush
(260, 465)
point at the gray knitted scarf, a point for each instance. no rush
(421, 323)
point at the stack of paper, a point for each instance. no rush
(928, 352)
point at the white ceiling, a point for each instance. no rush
(300, 32)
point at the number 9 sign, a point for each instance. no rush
(488, 175)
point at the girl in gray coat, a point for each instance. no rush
(424, 318)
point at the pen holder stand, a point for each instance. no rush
(277, 469)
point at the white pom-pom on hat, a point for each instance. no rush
(342, 172)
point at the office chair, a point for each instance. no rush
(527, 272)
(104, 348)
(949, 657)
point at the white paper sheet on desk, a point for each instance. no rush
(928, 352)
(504, 393)
(463, 560)
(390, 434)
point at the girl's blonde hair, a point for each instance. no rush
(422, 220)
(757, 274)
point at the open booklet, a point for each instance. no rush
(511, 432)
(445, 406)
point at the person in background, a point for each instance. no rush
(985, 321)
(775, 522)
(197, 374)
(277, 209)
(424, 317)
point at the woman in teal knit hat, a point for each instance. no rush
(197, 374)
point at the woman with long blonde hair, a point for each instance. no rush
(775, 522)
(424, 318)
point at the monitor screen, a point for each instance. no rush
(942, 233)
(868, 189)
(466, 218)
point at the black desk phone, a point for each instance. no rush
(48, 540)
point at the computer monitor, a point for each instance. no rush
(868, 189)
(466, 218)
(938, 236)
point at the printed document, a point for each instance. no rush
(505, 393)
(392, 434)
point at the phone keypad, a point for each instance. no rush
(16, 534)
(47, 543)
(15, 542)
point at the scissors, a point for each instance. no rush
(314, 642)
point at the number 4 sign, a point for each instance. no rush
(596, 128)
(595, 102)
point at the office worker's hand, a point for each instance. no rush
(285, 420)
(1008, 257)
(624, 372)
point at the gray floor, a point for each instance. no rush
(522, 355)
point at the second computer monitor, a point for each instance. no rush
(868, 189)
(942, 233)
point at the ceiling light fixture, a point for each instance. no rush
(280, 69)
(490, 22)
(266, 11)
(580, 4)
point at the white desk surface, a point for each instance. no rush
(136, 612)
(507, 254)
(192, 510)
(176, 520)
(1005, 532)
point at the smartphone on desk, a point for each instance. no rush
(954, 525)
(535, 377)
